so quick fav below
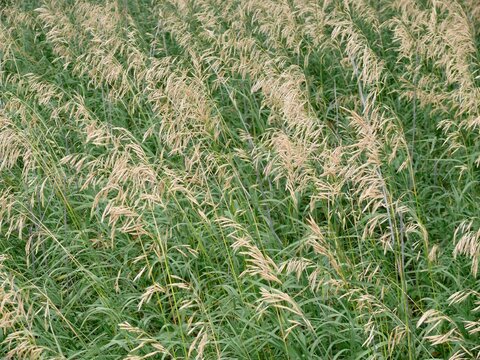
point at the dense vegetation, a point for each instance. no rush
(239, 179)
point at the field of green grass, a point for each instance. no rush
(239, 179)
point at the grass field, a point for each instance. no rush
(240, 179)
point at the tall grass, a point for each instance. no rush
(206, 179)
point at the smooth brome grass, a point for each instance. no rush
(206, 179)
